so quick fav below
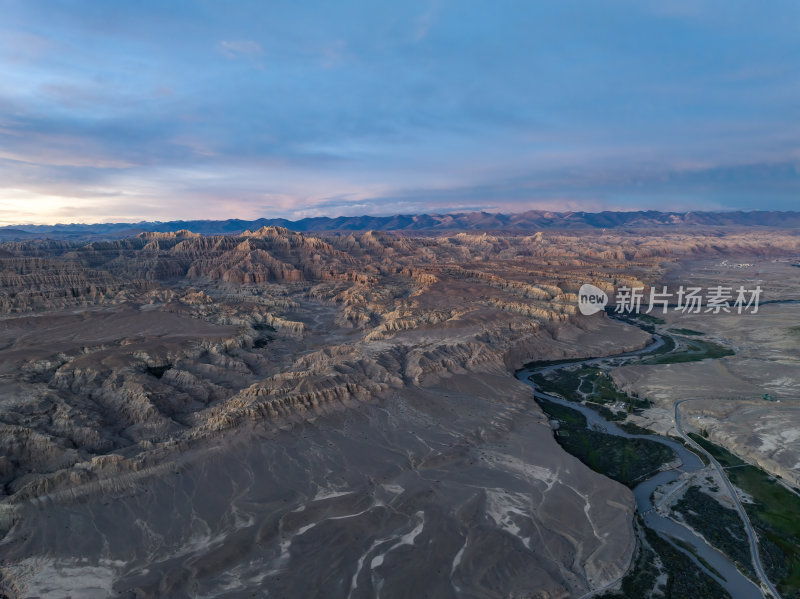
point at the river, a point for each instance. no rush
(733, 581)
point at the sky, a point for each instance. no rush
(148, 110)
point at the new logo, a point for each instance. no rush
(591, 299)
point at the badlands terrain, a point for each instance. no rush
(271, 413)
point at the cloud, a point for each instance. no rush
(426, 21)
(52, 194)
(333, 54)
(241, 48)
(413, 106)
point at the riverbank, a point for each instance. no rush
(713, 569)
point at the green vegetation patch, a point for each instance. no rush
(598, 387)
(609, 415)
(634, 429)
(562, 382)
(684, 577)
(690, 332)
(624, 460)
(649, 319)
(775, 516)
(566, 416)
(693, 550)
(720, 525)
(604, 390)
(723, 456)
(695, 351)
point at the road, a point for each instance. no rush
(751, 533)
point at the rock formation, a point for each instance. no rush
(355, 365)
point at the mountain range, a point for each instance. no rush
(532, 220)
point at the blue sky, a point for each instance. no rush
(150, 110)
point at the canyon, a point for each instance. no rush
(270, 411)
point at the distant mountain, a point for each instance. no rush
(15, 234)
(533, 220)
